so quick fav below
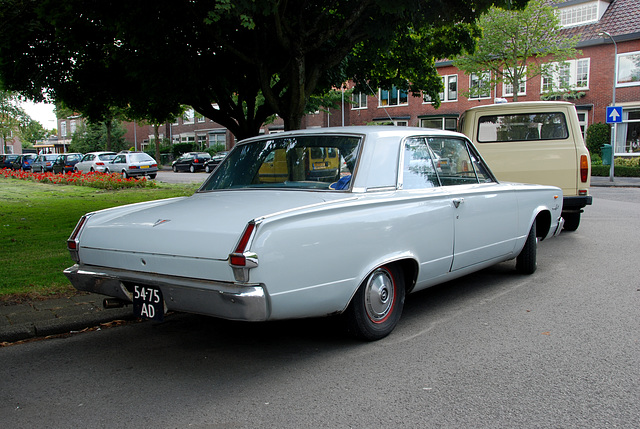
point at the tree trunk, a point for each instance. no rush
(108, 124)
(156, 136)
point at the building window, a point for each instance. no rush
(359, 100)
(449, 89)
(628, 69)
(63, 128)
(573, 74)
(72, 127)
(440, 123)
(199, 117)
(479, 86)
(507, 88)
(217, 139)
(582, 121)
(580, 14)
(393, 97)
(189, 117)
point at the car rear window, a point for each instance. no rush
(522, 127)
(140, 157)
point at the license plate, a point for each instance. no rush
(144, 166)
(148, 302)
(319, 165)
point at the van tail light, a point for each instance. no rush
(584, 168)
(241, 260)
(73, 244)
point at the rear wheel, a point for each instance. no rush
(207, 169)
(571, 221)
(192, 169)
(526, 260)
(106, 171)
(124, 175)
(152, 176)
(175, 169)
(377, 306)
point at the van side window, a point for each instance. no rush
(522, 127)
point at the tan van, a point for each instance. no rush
(534, 142)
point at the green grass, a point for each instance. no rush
(35, 221)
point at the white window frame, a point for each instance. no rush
(482, 77)
(507, 89)
(624, 63)
(63, 128)
(579, 14)
(389, 91)
(189, 117)
(359, 100)
(570, 74)
(446, 95)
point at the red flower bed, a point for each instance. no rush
(93, 180)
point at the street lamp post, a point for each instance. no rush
(613, 103)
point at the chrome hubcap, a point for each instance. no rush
(379, 295)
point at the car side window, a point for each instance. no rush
(419, 169)
(454, 163)
(118, 159)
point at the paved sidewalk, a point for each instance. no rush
(63, 315)
(41, 318)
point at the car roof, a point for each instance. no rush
(374, 131)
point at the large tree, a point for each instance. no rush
(236, 62)
(518, 45)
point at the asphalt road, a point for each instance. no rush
(168, 176)
(558, 349)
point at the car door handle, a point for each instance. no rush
(457, 202)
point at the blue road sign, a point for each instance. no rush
(614, 114)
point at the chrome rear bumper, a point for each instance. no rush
(218, 299)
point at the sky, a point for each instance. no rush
(42, 113)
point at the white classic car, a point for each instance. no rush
(314, 223)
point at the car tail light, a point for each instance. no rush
(99, 163)
(195, 161)
(242, 260)
(133, 167)
(73, 244)
(584, 168)
(154, 165)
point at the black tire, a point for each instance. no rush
(526, 261)
(571, 221)
(377, 305)
(175, 169)
(152, 176)
(192, 169)
(92, 170)
(41, 170)
(124, 175)
(106, 171)
(207, 169)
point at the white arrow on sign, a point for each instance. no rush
(614, 115)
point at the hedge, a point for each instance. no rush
(619, 171)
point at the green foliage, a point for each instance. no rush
(236, 62)
(31, 132)
(93, 137)
(598, 135)
(627, 162)
(619, 171)
(180, 148)
(596, 159)
(510, 38)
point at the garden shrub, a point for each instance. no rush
(598, 135)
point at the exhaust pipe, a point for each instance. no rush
(114, 303)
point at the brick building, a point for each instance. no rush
(595, 22)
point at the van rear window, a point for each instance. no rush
(522, 127)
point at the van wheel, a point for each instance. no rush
(377, 305)
(571, 221)
(526, 260)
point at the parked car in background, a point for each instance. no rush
(44, 163)
(132, 164)
(7, 160)
(247, 247)
(23, 162)
(66, 162)
(94, 161)
(215, 160)
(191, 161)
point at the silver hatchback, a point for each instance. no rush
(131, 164)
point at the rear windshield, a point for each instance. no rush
(302, 162)
(140, 157)
(522, 127)
(106, 157)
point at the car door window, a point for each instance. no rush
(419, 170)
(455, 164)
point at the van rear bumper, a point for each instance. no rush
(576, 203)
